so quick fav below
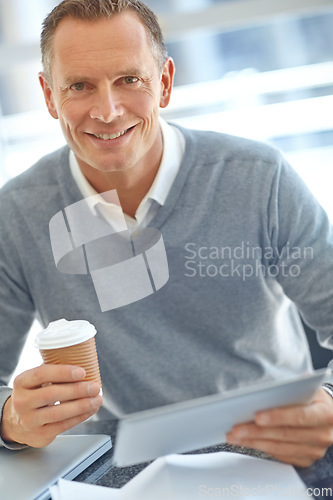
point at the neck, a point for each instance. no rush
(130, 191)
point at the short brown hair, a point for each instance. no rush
(93, 10)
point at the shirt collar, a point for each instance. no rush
(173, 151)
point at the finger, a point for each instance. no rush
(65, 425)
(50, 394)
(49, 432)
(318, 413)
(65, 411)
(46, 374)
(321, 436)
(314, 415)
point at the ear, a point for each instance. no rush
(48, 95)
(167, 82)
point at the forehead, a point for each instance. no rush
(121, 39)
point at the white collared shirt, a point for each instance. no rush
(173, 152)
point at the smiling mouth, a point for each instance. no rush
(110, 137)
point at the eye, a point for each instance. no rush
(77, 86)
(130, 80)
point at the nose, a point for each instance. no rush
(106, 105)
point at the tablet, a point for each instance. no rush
(28, 474)
(198, 423)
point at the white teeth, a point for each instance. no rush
(107, 137)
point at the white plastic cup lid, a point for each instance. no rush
(63, 333)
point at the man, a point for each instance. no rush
(243, 236)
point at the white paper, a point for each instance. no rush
(188, 477)
(230, 475)
(71, 490)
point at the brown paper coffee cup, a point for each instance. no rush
(70, 343)
(83, 355)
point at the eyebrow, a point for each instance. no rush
(70, 79)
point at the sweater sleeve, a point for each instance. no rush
(16, 309)
(302, 239)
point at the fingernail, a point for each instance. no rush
(78, 373)
(241, 433)
(236, 436)
(96, 402)
(262, 419)
(232, 439)
(93, 389)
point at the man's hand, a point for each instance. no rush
(33, 416)
(297, 435)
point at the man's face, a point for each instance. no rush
(106, 92)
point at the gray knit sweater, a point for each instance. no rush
(247, 245)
